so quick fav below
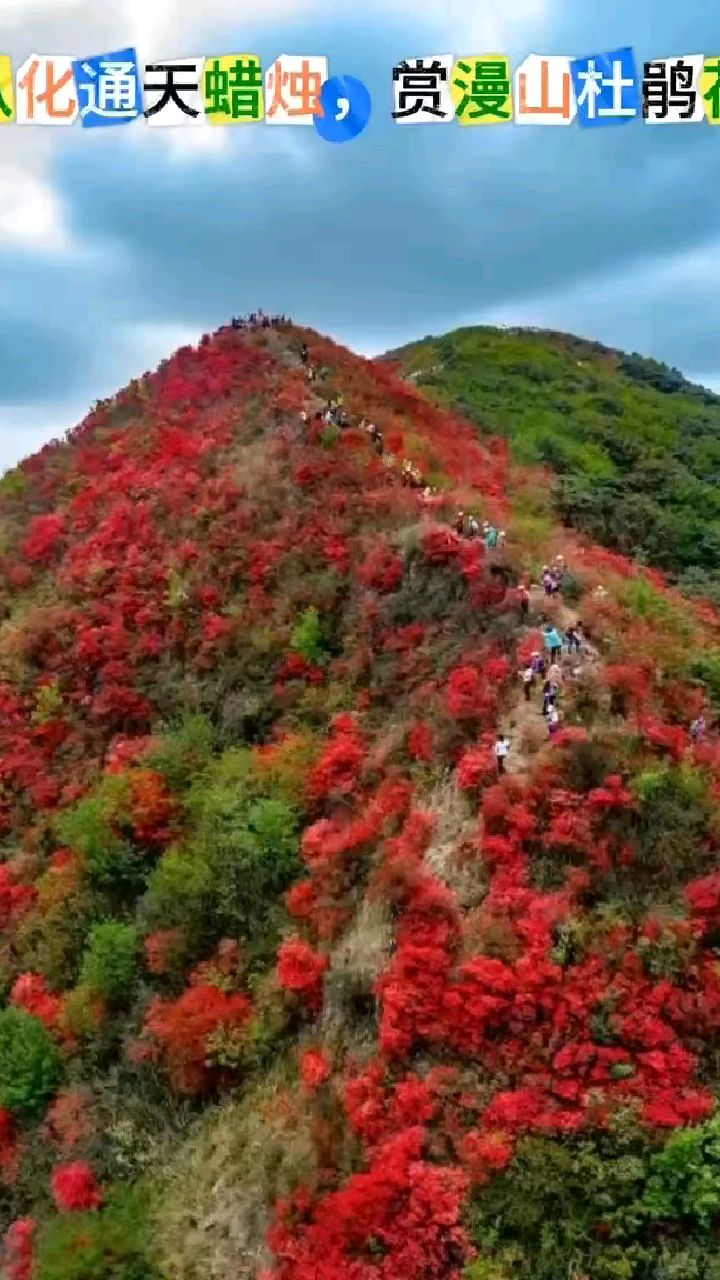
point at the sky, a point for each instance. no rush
(119, 245)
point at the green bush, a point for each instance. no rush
(684, 1183)
(108, 1244)
(254, 860)
(109, 967)
(30, 1063)
(308, 638)
(183, 753)
(179, 896)
(113, 865)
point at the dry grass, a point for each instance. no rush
(447, 856)
(355, 964)
(213, 1215)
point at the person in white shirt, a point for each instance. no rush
(502, 747)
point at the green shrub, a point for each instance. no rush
(109, 967)
(685, 1177)
(308, 638)
(253, 865)
(113, 864)
(183, 753)
(108, 1244)
(30, 1063)
(179, 896)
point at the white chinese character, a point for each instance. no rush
(115, 91)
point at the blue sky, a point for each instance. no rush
(116, 246)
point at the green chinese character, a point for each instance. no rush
(246, 84)
(713, 94)
(6, 110)
(488, 90)
(217, 89)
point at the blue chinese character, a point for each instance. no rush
(606, 88)
(108, 88)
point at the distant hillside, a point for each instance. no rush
(636, 447)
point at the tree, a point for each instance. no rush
(30, 1064)
(109, 967)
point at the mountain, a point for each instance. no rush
(294, 983)
(634, 446)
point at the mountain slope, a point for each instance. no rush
(294, 985)
(635, 446)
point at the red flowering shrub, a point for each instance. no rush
(337, 771)
(420, 742)
(314, 1069)
(440, 545)
(74, 1187)
(43, 537)
(400, 1220)
(151, 806)
(181, 1030)
(68, 1121)
(18, 1249)
(29, 992)
(301, 971)
(162, 950)
(382, 570)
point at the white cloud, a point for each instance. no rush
(31, 213)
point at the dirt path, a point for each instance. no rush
(523, 722)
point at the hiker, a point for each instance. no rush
(697, 729)
(491, 537)
(555, 674)
(459, 524)
(524, 598)
(303, 416)
(537, 662)
(473, 527)
(550, 692)
(527, 676)
(555, 576)
(553, 721)
(304, 354)
(553, 642)
(547, 581)
(502, 747)
(501, 538)
(379, 443)
(573, 640)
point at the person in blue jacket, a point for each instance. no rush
(553, 642)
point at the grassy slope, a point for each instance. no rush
(636, 447)
(536, 940)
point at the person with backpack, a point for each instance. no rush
(524, 599)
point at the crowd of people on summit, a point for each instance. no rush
(544, 669)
